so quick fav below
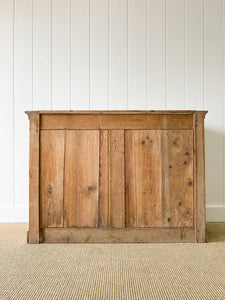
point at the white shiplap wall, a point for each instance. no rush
(109, 54)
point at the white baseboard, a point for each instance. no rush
(215, 213)
(14, 214)
(21, 214)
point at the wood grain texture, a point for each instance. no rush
(115, 112)
(177, 200)
(34, 180)
(116, 179)
(143, 178)
(51, 178)
(125, 235)
(117, 121)
(200, 178)
(81, 187)
(103, 178)
(135, 185)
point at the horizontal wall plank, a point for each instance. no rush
(116, 122)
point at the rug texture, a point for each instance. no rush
(112, 271)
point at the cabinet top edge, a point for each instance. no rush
(118, 112)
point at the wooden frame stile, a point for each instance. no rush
(34, 227)
(199, 154)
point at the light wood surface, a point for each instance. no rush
(34, 180)
(122, 177)
(52, 176)
(125, 235)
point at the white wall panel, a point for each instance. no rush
(61, 54)
(175, 53)
(213, 101)
(109, 54)
(6, 102)
(137, 54)
(80, 54)
(194, 58)
(42, 54)
(99, 59)
(156, 54)
(22, 96)
(118, 54)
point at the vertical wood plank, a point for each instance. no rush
(81, 190)
(80, 54)
(6, 105)
(177, 200)
(103, 178)
(116, 181)
(99, 54)
(175, 54)
(143, 173)
(137, 53)
(213, 100)
(200, 178)
(156, 54)
(42, 54)
(194, 58)
(60, 54)
(22, 96)
(34, 180)
(118, 54)
(51, 177)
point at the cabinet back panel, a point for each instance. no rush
(116, 121)
(143, 178)
(81, 191)
(177, 199)
(51, 178)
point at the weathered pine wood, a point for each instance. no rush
(124, 235)
(143, 178)
(177, 175)
(116, 179)
(81, 186)
(116, 121)
(117, 176)
(34, 180)
(103, 178)
(52, 176)
(114, 112)
(200, 178)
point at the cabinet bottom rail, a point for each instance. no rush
(109, 235)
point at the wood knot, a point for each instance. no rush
(185, 162)
(186, 153)
(170, 166)
(175, 141)
(91, 188)
(180, 203)
(49, 189)
(143, 142)
(169, 219)
(190, 183)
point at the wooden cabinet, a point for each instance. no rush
(117, 176)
